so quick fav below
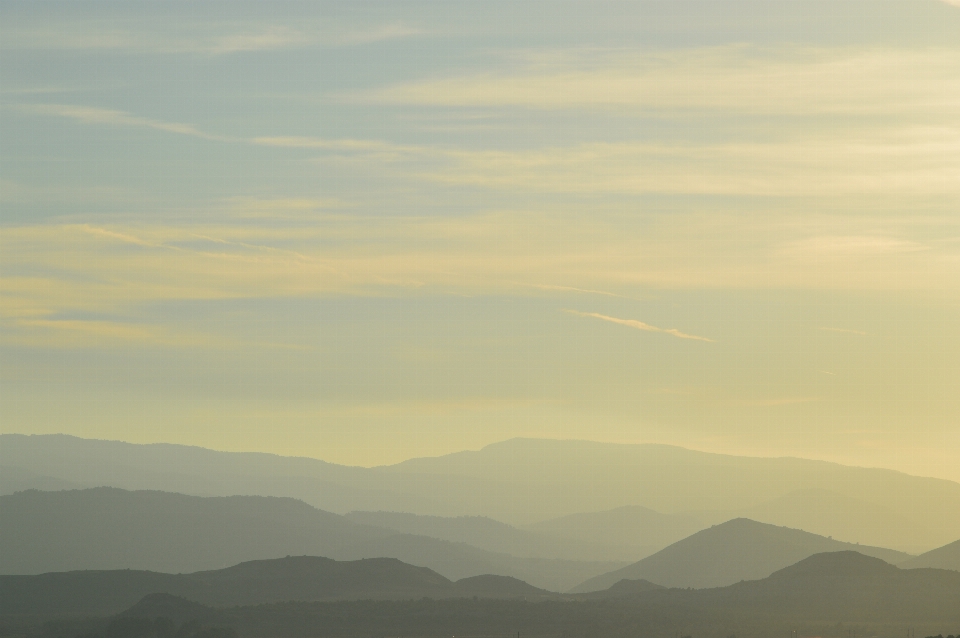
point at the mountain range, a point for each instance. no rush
(825, 594)
(299, 578)
(523, 482)
(109, 528)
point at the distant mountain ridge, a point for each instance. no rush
(946, 557)
(632, 530)
(110, 528)
(724, 554)
(294, 578)
(532, 541)
(519, 482)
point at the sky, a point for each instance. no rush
(366, 232)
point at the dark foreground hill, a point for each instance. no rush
(298, 578)
(109, 528)
(831, 595)
(737, 550)
(946, 557)
(848, 585)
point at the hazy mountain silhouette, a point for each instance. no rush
(494, 536)
(625, 588)
(109, 528)
(740, 549)
(632, 530)
(479, 531)
(17, 479)
(520, 482)
(830, 514)
(177, 609)
(946, 557)
(493, 586)
(293, 578)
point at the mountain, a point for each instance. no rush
(946, 557)
(304, 578)
(831, 514)
(519, 482)
(17, 479)
(535, 476)
(630, 531)
(317, 578)
(178, 610)
(845, 585)
(625, 588)
(740, 549)
(830, 594)
(493, 586)
(110, 528)
(824, 594)
(479, 531)
(494, 536)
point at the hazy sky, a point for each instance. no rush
(368, 231)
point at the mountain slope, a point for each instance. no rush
(740, 549)
(946, 557)
(109, 528)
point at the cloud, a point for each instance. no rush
(639, 325)
(71, 333)
(856, 244)
(191, 39)
(56, 270)
(912, 160)
(275, 37)
(888, 161)
(93, 115)
(881, 162)
(731, 78)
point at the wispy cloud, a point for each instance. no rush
(731, 78)
(189, 39)
(891, 161)
(639, 325)
(52, 270)
(93, 115)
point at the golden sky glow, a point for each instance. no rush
(365, 236)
